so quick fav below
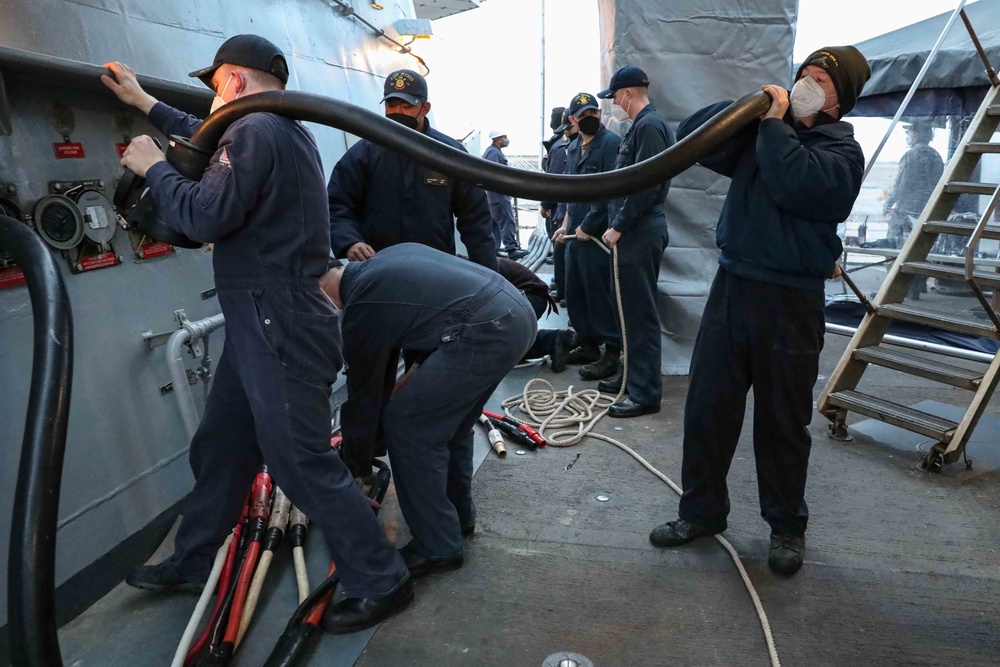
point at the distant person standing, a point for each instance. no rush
(554, 212)
(504, 227)
(588, 266)
(920, 170)
(640, 231)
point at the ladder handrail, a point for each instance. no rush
(990, 72)
(913, 87)
(970, 256)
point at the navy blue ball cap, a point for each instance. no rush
(581, 103)
(251, 51)
(407, 85)
(564, 124)
(624, 77)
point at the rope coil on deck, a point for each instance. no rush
(572, 417)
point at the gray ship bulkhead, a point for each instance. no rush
(126, 461)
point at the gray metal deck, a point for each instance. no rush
(903, 567)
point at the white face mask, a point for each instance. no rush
(807, 98)
(621, 113)
(219, 101)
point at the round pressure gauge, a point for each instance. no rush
(59, 221)
(98, 216)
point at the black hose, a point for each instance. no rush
(292, 643)
(460, 165)
(31, 600)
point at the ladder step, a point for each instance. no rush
(912, 364)
(988, 278)
(982, 147)
(934, 318)
(895, 414)
(993, 110)
(960, 188)
(960, 228)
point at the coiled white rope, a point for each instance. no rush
(572, 417)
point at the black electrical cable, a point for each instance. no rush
(34, 641)
(291, 646)
(459, 164)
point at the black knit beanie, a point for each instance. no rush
(848, 69)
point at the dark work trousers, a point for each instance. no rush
(428, 423)
(504, 225)
(639, 253)
(559, 269)
(270, 402)
(768, 337)
(558, 257)
(588, 294)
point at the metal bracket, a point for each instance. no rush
(838, 428)
(192, 378)
(74, 187)
(152, 340)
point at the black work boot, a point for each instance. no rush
(161, 579)
(583, 354)
(606, 366)
(787, 552)
(676, 533)
(611, 385)
(561, 351)
(420, 565)
(355, 614)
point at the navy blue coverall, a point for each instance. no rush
(588, 266)
(763, 324)
(474, 327)
(556, 164)
(261, 202)
(643, 227)
(501, 209)
(381, 198)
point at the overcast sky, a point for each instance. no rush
(486, 63)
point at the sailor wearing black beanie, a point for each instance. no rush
(795, 176)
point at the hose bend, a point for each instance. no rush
(460, 165)
(31, 566)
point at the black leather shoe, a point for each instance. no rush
(161, 579)
(628, 408)
(561, 351)
(611, 385)
(420, 565)
(583, 354)
(516, 254)
(676, 533)
(469, 529)
(606, 366)
(787, 552)
(355, 614)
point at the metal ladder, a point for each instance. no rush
(840, 394)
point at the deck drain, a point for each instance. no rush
(566, 659)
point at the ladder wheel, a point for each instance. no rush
(933, 462)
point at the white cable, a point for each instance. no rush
(583, 409)
(199, 610)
